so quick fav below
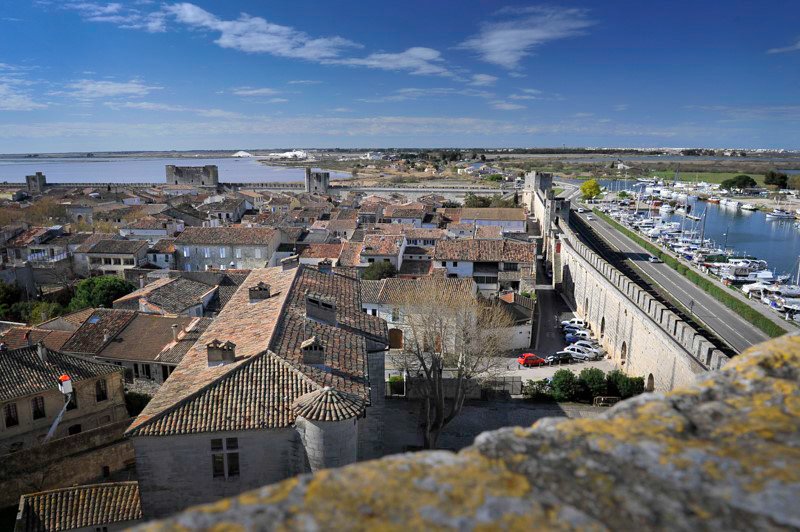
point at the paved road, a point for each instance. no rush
(728, 325)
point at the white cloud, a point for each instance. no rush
(415, 93)
(341, 110)
(527, 94)
(89, 89)
(483, 80)
(119, 14)
(621, 107)
(506, 106)
(303, 82)
(257, 35)
(506, 42)
(778, 113)
(163, 107)
(417, 60)
(254, 91)
(277, 100)
(13, 98)
(791, 48)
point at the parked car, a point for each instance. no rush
(530, 360)
(577, 335)
(579, 353)
(590, 344)
(653, 259)
(573, 328)
(577, 322)
(562, 357)
(581, 210)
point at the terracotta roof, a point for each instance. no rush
(174, 352)
(257, 389)
(22, 372)
(74, 318)
(405, 213)
(14, 338)
(397, 290)
(489, 232)
(328, 404)
(485, 251)
(370, 290)
(144, 338)
(94, 239)
(165, 245)
(26, 237)
(149, 222)
(321, 251)
(511, 214)
(351, 254)
(92, 505)
(382, 244)
(419, 233)
(246, 236)
(121, 247)
(90, 337)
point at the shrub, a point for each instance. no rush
(135, 402)
(397, 385)
(379, 270)
(537, 390)
(564, 385)
(619, 384)
(592, 383)
(100, 292)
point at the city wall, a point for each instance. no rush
(643, 336)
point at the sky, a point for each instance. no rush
(147, 75)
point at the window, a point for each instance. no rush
(395, 314)
(455, 264)
(74, 429)
(128, 262)
(238, 252)
(222, 253)
(101, 390)
(258, 253)
(185, 251)
(206, 252)
(12, 418)
(374, 312)
(444, 264)
(136, 370)
(146, 368)
(225, 457)
(37, 404)
(370, 260)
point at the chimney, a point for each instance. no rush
(321, 308)
(259, 292)
(28, 338)
(141, 281)
(174, 332)
(313, 352)
(42, 350)
(106, 338)
(220, 353)
(290, 262)
(325, 266)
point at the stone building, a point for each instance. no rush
(30, 398)
(288, 378)
(317, 182)
(198, 176)
(202, 248)
(36, 183)
(113, 257)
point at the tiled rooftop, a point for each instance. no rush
(14, 338)
(321, 251)
(144, 338)
(118, 247)
(494, 213)
(93, 505)
(485, 251)
(257, 389)
(328, 404)
(23, 373)
(247, 236)
(95, 332)
(382, 245)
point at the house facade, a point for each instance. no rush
(202, 248)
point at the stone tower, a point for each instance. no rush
(317, 182)
(36, 183)
(199, 176)
(327, 421)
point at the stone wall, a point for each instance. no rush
(719, 454)
(641, 334)
(78, 459)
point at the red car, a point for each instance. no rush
(529, 359)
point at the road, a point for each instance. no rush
(728, 325)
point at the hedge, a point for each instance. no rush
(712, 288)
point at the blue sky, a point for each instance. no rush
(147, 75)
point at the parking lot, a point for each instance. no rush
(543, 372)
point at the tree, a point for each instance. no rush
(794, 182)
(775, 178)
(590, 189)
(623, 195)
(100, 292)
(379, 270)
(619, 384)
(494, 177)
(472, 201)
(452, 342)
(740, 181)
(483, 158)
(564, 385)
(593, 382)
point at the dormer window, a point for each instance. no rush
(313, 352)
(321, 308)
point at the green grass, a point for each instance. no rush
(708, 177)
(712, 288)
(557, 190)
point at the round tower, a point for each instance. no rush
(327, 420)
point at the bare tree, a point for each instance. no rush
(451, 342)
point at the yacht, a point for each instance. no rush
(713, 199)
(749, 207)
(780, 214)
